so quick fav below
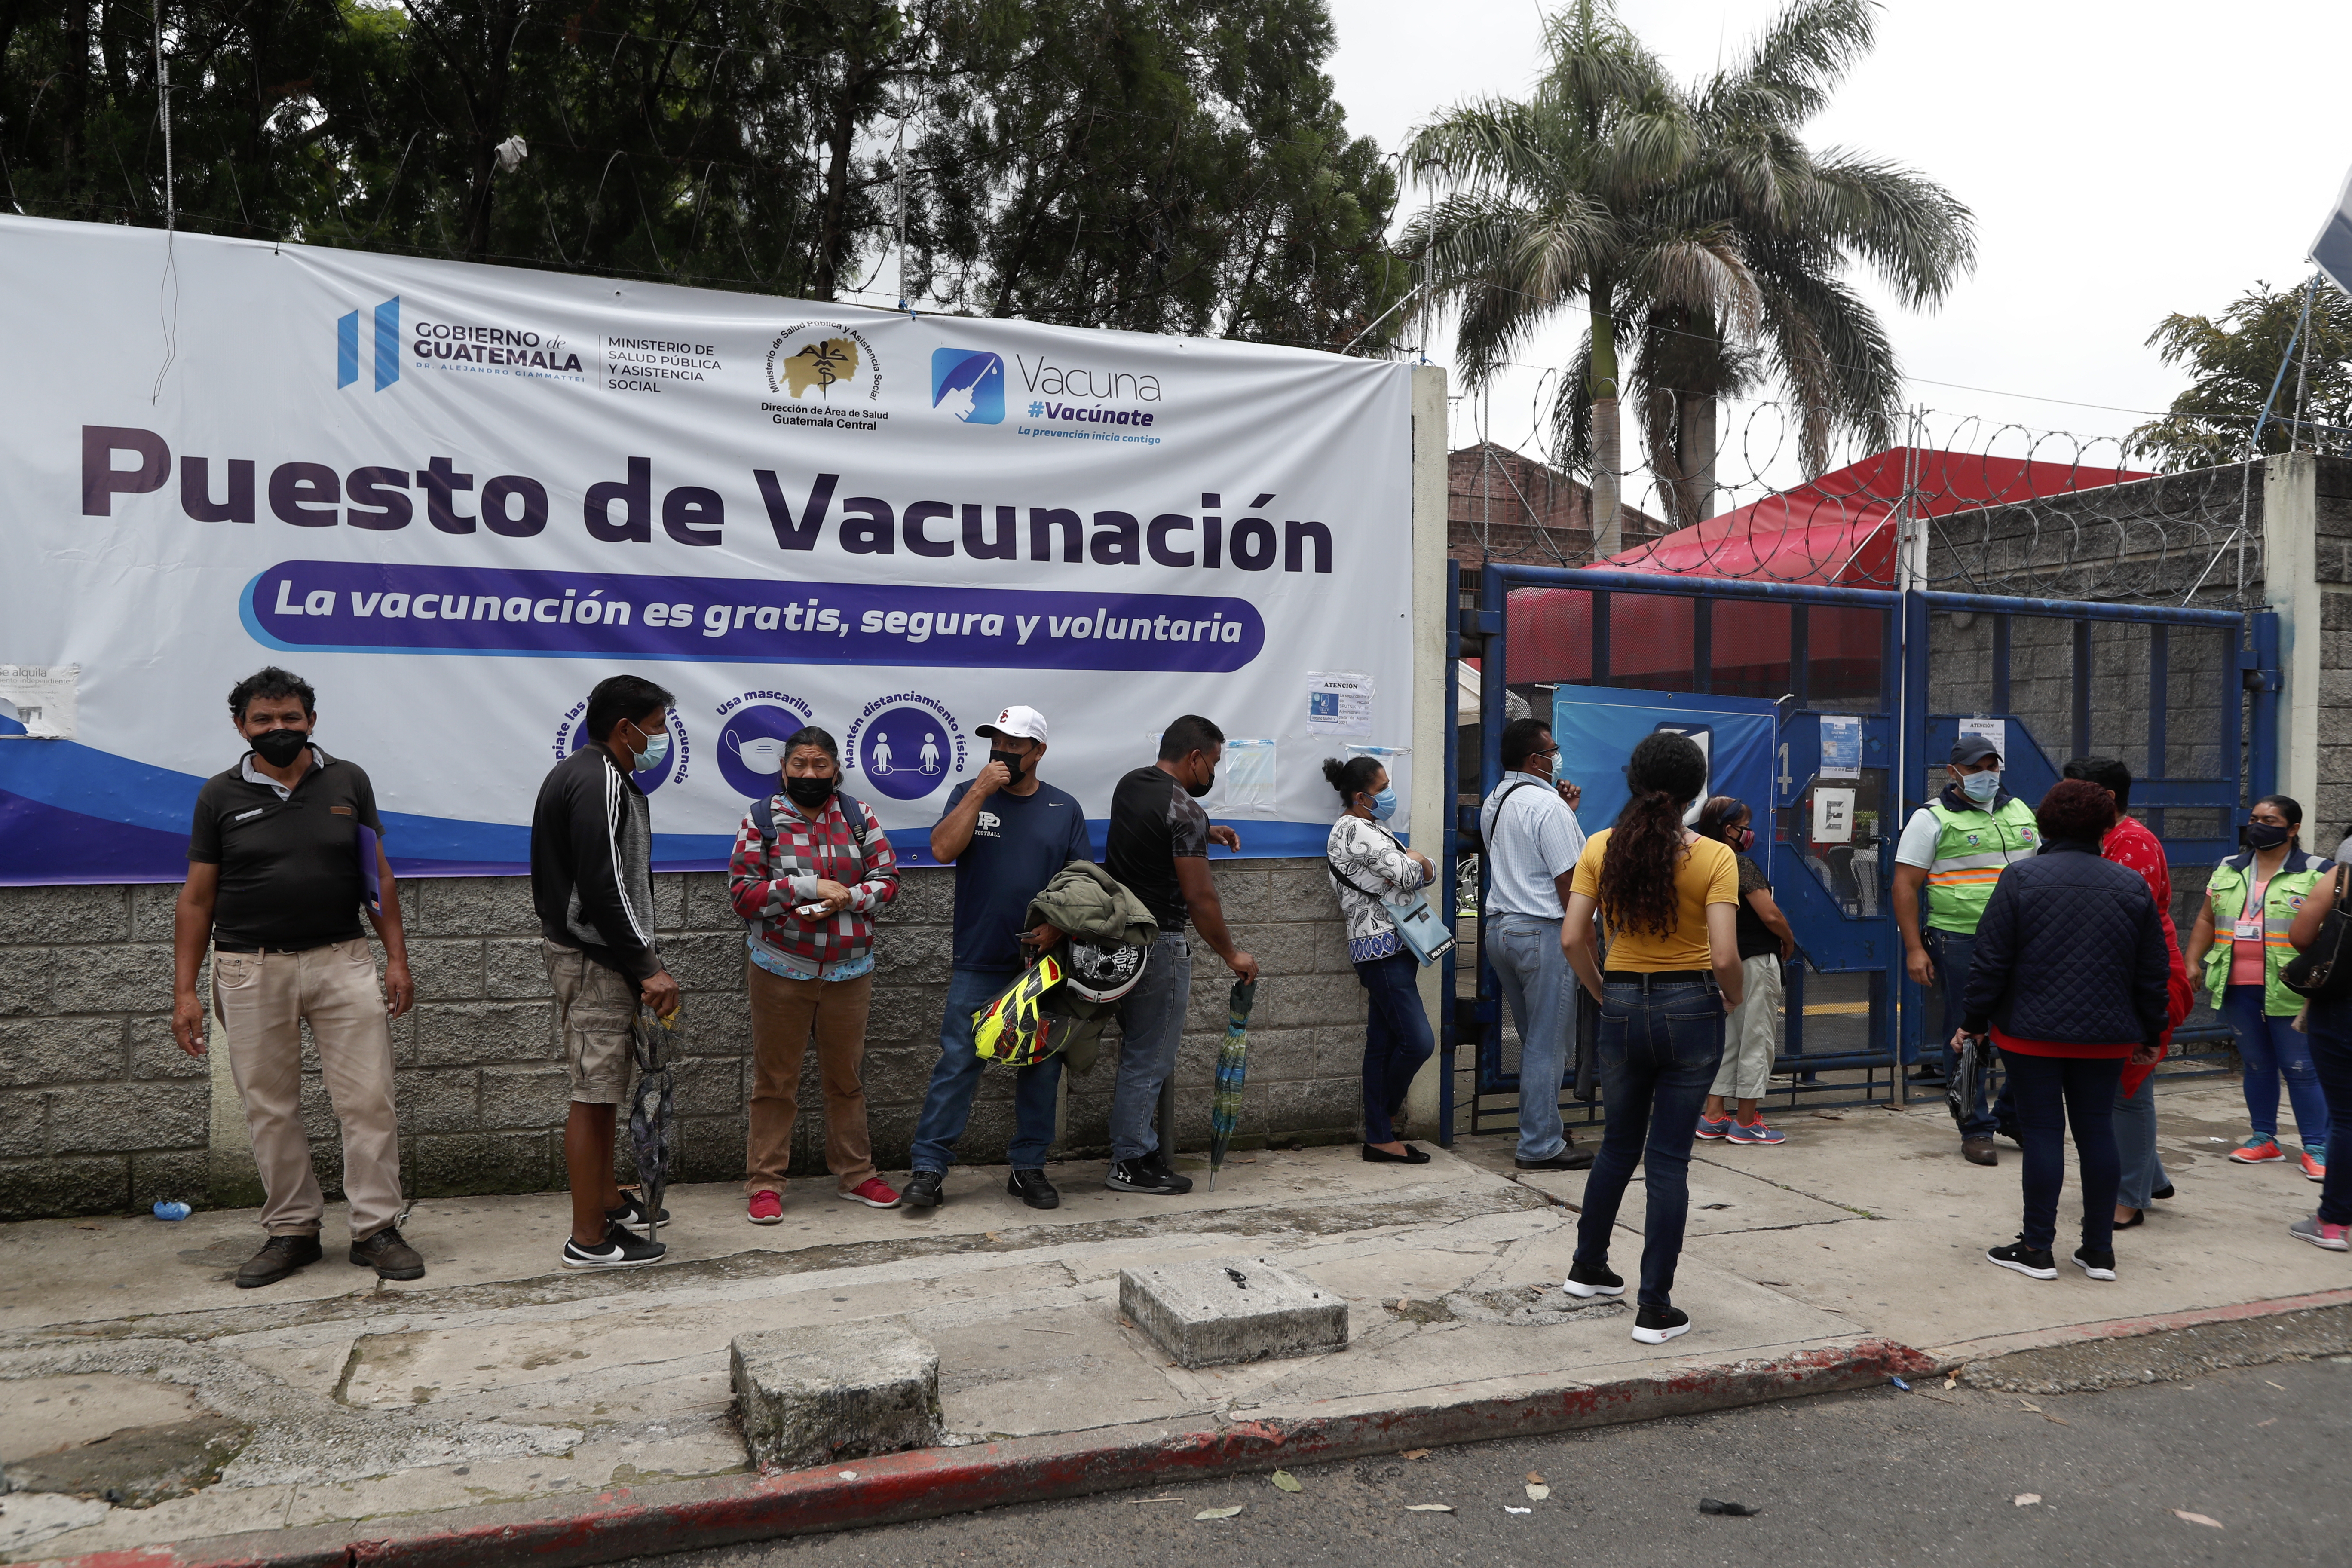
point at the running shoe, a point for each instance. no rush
(2097, 1265)
(620, 1249)
(765, 1208)
(2033, 1262)
(874, 1193)
(2319, 1233)
(2314, 1161)
(1656, 1325)
(1755, 1132)
(1714, 1127)
(1590, 1279)
(2259, 1149)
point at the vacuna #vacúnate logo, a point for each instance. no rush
(969, 384)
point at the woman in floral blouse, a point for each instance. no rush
(1369, 865)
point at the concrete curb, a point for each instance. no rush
(1961, 1352)
(896, 1488)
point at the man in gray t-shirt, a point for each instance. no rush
(1532, 841)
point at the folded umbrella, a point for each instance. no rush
(650, 1114)
(1232, 1072)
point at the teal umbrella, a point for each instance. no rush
(1232, 1072)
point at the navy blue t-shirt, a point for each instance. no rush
(1020, 844)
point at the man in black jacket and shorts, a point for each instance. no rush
(591, 881)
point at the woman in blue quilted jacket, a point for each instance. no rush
(2070, 979)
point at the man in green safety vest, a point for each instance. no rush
(1956, 847)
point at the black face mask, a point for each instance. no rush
(1197, 789)
(1012, 764)
(809, 792)
(279, 748)
(2266, 834)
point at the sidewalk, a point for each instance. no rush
(574, 1418)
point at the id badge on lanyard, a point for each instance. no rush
(2249, 927)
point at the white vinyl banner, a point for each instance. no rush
(454, 497)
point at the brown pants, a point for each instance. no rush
(261, 999)
(784, 1013)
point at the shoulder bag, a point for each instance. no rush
(1417, 926)
(2323, 971)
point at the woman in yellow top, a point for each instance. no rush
(1671, 902)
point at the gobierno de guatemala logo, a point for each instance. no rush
(907, 744)
(478, 347)
(969, 384)
(830, 374)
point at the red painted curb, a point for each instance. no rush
(892, 1489)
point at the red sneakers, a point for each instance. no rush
(2257, 1150)
(766, 1208)
(2315, 1170)
(874, 1193)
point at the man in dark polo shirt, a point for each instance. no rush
(1158, 845)
(284, 856)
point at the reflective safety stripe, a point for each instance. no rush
(2283, 896)
(1960, 880)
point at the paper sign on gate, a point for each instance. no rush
(1834, 817)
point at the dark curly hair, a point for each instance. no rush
(1637, 869)
(2076, 809)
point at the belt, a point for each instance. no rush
(242, 948)
(1655, 976)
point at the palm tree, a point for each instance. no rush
(1710, 236)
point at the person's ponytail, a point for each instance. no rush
(1637, 869)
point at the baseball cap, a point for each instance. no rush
(1019, 723)
(1967, 750)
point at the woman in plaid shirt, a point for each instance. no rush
(808, 890)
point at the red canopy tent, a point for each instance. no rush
(1838, 529)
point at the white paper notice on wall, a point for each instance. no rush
(1840, 746)
(1244, 779)
(1834, 817)
(1994, 730)
(41, 698)
(1339, 702)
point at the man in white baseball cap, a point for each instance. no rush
(1008, 834)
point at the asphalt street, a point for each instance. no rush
(1873, 1477)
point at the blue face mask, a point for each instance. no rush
(1981, 787)
(1384, 805)
(656, 754)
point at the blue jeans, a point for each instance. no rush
(1954, 952)
(2331, 1055)
(1540, 991)
(2143, 1172)
(1151, 1025)
(1396, 1039)
(947, 1104)
(2052, 1094)
(2269, 1050)
(1661, 1043)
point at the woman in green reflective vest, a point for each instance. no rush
(2242, 940)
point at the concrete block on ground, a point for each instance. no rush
(1219, 1310)
(811, 1395)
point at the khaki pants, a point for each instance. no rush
(262, 1000)
(783, 1015)
(594, 1007)
(1751, 1035)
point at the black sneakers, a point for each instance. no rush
(620, 1250)
(1589, 1280)
(1656, 1325)
(1032, 1188)
(2097, 1265)
(391, 1257)
(1146, 1175)
(278, 1257)
(924, 1190)
(2033, 1262)
(632, 1212)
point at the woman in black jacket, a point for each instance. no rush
(2070, 979)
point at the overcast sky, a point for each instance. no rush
(2123, 161)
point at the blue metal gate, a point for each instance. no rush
(2057, 676)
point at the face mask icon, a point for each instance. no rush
(761, 754)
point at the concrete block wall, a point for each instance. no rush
(100, 1112)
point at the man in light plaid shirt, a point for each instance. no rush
(810, 866)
